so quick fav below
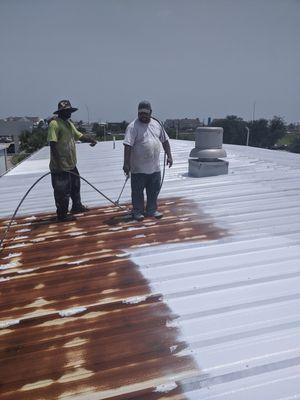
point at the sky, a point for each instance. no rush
(189, 58)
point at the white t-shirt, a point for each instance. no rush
(145, 140)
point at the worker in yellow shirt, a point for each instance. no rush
(62, 136)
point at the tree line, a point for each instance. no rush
(263, 133)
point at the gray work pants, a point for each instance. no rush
(65, 185)
(150, 182)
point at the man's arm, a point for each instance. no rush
(88, 139)
(83, 137)
(53, 149)
(127, 153)
(167, 149)
(53, 138)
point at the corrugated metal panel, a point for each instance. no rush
(202, 304)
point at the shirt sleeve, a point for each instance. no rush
(77, 134)
(52, 132)
(130, 136)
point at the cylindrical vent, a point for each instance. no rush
(208, 143)
(209, 138)
(205, 156)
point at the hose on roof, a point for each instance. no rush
(165, 157)
(115, 203)
(34, 184)
(17, 209)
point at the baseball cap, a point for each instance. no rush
(145, 106)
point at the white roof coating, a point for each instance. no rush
(237, 298)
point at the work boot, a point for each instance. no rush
(79, 209)
(156, 214)
(138, 216)
(65, 218)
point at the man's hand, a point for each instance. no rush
(88, 139)
(167, 149)
(126, 169)
(93, 143)
(169, 161)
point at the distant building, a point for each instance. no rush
(37, 121)
(183, 124)
(294, 128)
(117, 126)
(14, 126)
(84, 126)
(3, 161)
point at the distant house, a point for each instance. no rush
(14, 126)
(184, 124)
(35, 120)
(84, 126)
(3, 163)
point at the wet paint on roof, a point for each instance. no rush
(233, 299)
(88, 316)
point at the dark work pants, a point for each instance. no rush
(65, 185)
(150, 182)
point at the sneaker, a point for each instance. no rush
(79, 209)
(155, 214)
(65, 218)
(138, 216)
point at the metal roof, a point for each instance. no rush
(203, 304)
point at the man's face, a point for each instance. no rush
(144, 117)
(65, 114)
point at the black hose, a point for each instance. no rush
(34, 184)
(97, 190)
(165, 156)
(85, 180)
(19, 205)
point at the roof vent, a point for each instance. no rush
(204, 157)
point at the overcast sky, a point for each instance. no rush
(190, 58)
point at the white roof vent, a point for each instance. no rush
(204, 157)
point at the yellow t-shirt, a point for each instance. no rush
(64, 134)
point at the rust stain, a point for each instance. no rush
(118, 343)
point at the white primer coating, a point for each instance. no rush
(12, 264)
(173, 348)
(78, 261)
(72, 311)
(31, 218)
(172, 324)
(11, 255)
(8, 323)
(135, 300)
(25, 271)
(237, 297)
(13, 246)
(125, 254)
(135, 228)
(165, 387)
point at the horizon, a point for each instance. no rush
(202, 120)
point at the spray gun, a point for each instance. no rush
(126, 179)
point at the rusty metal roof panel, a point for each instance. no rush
(202, 304)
